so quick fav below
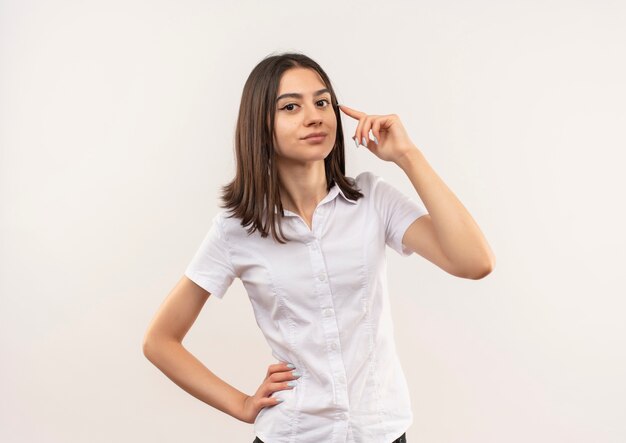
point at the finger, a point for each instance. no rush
(376, 131)
(363, 130)
(368, 128)
(268, 402)
(357, 133)
(351, 112)
(268, 389)
(282, 366)
(265, 401)
(292, 374)
(381, 125)
(283, 386)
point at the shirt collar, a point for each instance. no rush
(334, 191)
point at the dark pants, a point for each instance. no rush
(401, 439)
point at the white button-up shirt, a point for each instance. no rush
(322, 304)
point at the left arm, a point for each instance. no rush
(448, 235)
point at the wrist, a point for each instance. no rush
(241, 412)
(410, 157)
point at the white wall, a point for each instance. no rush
(116, 131)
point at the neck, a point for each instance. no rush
(303, 186)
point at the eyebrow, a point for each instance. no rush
(295, 95)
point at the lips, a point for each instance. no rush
(315, 134)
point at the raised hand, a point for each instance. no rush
(391, 139)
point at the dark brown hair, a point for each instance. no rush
(255, 186)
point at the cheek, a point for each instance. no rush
(333, 130)
(285, 128)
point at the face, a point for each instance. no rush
(298, 116)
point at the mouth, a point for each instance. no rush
(315, 137)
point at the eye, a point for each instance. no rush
(293, 104)
(289, 104)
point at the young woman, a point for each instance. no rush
(308, 243)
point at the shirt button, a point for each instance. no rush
(322, 277)
(333, 346)
(343, 416)
(328, 312)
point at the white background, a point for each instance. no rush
(116, 130)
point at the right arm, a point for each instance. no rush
(162, 345)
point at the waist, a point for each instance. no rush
(401, 439)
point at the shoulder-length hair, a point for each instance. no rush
(255, 186)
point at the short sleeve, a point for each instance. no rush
(211, 267)
(397, 211)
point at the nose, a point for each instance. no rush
(312, 114)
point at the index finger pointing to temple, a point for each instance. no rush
(351, 112)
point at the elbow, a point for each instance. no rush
(484, 270)
(482, 274)
(153, 345)
(146, 346)
(149, 345)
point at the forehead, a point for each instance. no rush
(300, 80)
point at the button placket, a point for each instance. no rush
(328, 319)
(335, 358)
